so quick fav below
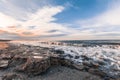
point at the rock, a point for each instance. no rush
(97, 72)
(77, 57)
(35, 65)
(101, 62)
(87, 63)
(78, 67)
(65, 62)
(115, 79)
(70, 56)
(54, 60)
(95, 64)
(59, 52)
(5, 56)
(17, 60)
(85, 57)
(4, 63)
(12, 76)
(115, 67)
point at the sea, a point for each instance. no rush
(93, 42)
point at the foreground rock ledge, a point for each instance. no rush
(36, 60)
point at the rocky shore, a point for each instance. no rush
(26, 62)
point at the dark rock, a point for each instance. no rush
(114, 79)
(77, 57)
(35, 65)
(5, 56)
(78, 67)
(17, 60)
(4, 64)
(71, 50)
(55, 60)
(97, 72)
(101, 62)
(12, 76)
(87, 63)
(59, 52)
(70, 56)
(66, 62)
(95, 64)
(85, 57)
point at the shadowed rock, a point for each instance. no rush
(12, 76)
(4, 64)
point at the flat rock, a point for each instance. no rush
(4, 63)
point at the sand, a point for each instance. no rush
(3, 45)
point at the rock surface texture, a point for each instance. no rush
(35, 60)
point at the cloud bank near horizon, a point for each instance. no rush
(39, 20)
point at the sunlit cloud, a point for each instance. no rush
(41, 22)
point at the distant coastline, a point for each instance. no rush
(1, 40)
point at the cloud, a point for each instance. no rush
(30, 19)
(52, 31)
(43, 20)
(7, 20)
(37, 24)
(107, 23)
(20, 9)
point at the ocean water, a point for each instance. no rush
(92, 42)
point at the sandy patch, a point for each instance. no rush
(3, 45)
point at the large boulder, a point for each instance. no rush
(35, 65)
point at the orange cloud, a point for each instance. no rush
(1, 31)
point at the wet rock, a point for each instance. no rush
(55, 60)
(95, 64)
(101, 62)
(97, 72)
(4, 64)
(114, 79)
(70, 56)
(17, 60)
(65, 62)
(77, 57)
(78, 67)
(35, 65)
(12, 76)
(85, 57)
(59, 52)
(115, 67)
(87, 63)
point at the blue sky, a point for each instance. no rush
(60, 19)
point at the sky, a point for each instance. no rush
(59, 19)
